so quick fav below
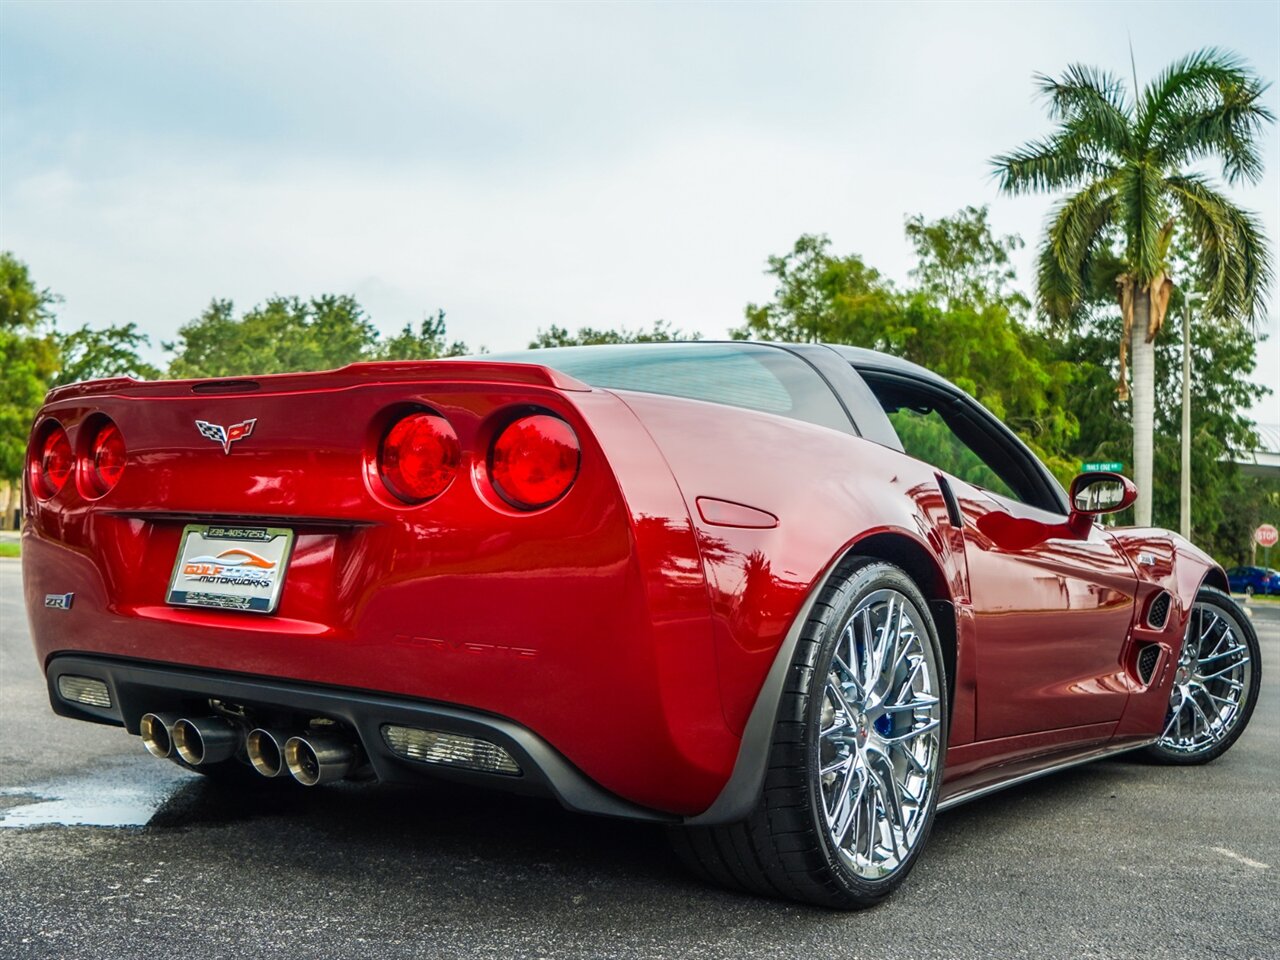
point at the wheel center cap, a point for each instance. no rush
(1183, 675)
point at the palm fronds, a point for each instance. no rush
(1090, 102)
(1234, 255)
(1125, 160)
(1075, 232)
(1207, 103)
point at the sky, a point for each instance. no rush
(524, 164)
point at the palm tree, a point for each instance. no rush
(1129, 164)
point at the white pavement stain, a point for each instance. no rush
(1241, 859)
(124, 793)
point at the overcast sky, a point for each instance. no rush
(526, 164)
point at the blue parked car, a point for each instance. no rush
(1257, 580)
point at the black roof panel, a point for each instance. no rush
(875, 360)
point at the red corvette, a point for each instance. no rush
(757, 592)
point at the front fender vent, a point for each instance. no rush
(1148, 660)
(1158, 612)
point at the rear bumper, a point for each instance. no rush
(136, 688)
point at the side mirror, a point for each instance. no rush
(1097, 493)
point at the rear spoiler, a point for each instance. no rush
(352, 375)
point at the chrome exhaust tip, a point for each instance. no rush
(318, 759)
(266, 750)
(156, 730)
(205, 740)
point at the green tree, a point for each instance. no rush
(660, 332)
(1010, 368)
(819, 297)
(28, 364)
(34, 357)
(428, 342)
(282, 335)
(23, 305)
(1253, 501)
(88, 354)
(28, 361)
(960, 261)
(1128, 164)
(961, 322)
(1224, 356)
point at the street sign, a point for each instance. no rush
(1266, 535)
(1105, 466)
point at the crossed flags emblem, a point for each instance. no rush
(225, 435)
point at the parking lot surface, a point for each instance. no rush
(106, 852)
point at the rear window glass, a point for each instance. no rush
(753, 376)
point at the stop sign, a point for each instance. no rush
(1266, 535)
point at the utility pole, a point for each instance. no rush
(1184, 512)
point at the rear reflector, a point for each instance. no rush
(84, 690)
(449, 749)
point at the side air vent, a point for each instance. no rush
(1148, 658)
(1158, 612)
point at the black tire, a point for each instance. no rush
(1170, 749)
(784, 848)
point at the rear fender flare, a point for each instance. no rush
(742, 791)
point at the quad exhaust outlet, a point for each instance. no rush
(310, 758)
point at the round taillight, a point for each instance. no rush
(52, 463)
(419, 457)
(106, 458)
(535, 461)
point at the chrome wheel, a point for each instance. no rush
(1213, 677)
(879, 737)
(856, 756)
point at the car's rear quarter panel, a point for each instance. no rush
(829, 491)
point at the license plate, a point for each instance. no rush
(230, 568)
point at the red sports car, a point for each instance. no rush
(790, 600)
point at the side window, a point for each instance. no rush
(947, 430)
(926, 436)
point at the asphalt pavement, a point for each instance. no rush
(106, 852)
